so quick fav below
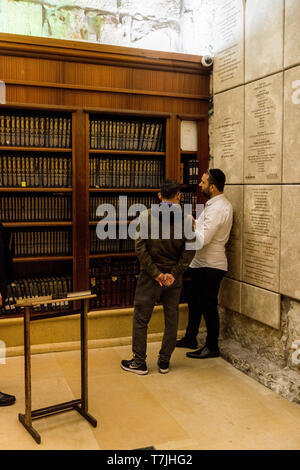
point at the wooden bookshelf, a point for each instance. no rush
(84, 80)
(36, 149)
(124, 190)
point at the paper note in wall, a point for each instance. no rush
(2, 92)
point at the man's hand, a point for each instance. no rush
(165, 279)
(169, 279)
(160, 279)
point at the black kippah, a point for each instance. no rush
(218, 175)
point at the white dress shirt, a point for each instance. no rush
(212, 232)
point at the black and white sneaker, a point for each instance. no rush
(135, 366)
(163, 367)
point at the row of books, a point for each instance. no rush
(115, 134)
(189, 172)
(114, 291)
(189, 198)
(42, 243)
(35, 131)
(109, 246)
(121, 205)
(113, 267)
(37, 287)
(35, 208)
(114, 281)
(35, 171)
(123, 173)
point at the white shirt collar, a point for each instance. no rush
(214, 199)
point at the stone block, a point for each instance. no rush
(290, 245)
(229, 134)
(263, 38)
(292, 33)
(234, 247)
(261, 238)
(261, 305)
(230, 294)
(291, 134)
(24, 18)
(263, 130)
(228, 34)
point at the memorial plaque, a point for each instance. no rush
(230, 294)
(263, 38)
(291, 126)
(261, 239)
(229, 45)
(292, 33)
(290, 244)
(263, 130)
(234, 246)
(261, 305)
(229, 134)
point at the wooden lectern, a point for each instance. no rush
(81, 404)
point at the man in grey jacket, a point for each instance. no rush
(163, 251)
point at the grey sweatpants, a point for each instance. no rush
(147, 293)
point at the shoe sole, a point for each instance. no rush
(163, 371)
(199, 357)
(8, 404)
(135, 371)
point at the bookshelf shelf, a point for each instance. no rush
(123, 190)
(36, 224)
(42, 258)
(35, 149)
(112, 255)
(35, 190)
(128, 152)
(94, 222)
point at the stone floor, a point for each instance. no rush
(198, 405)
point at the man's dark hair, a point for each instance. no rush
(169, 189)
(217, 177)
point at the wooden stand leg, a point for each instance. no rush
(83, 410)
(26, 419)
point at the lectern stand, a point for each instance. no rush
(81, 404)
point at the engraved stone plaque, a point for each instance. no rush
(261, 239)
(263, 38)
(290, 243)
(229, 134)
(261, 305)
(230, 294)
(263, 130)
(292, 33)
(229, 45)
(291, 126)
(234, 245)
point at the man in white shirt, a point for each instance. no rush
(208, 266)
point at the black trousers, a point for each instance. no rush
(147, 293)
(203, 300)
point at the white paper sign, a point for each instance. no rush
(189, 136)
(2, 92)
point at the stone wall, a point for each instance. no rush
(166, 25)
(255, 140)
